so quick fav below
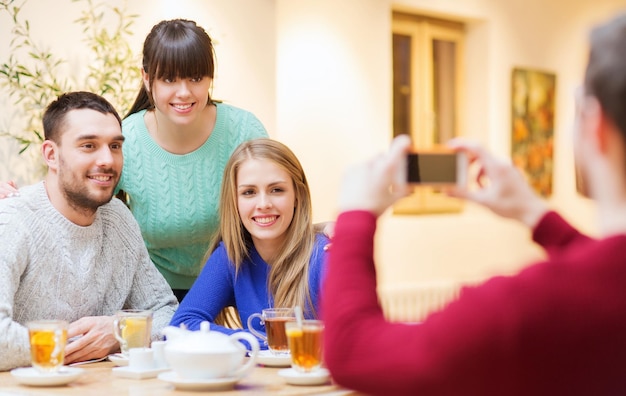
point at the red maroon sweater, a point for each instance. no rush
(556, 328)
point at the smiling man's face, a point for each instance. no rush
(89, 158)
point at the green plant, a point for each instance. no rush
(33, 75)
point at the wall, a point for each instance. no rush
(333, 115)
(333, 96)
(502, 35)
(318, 74)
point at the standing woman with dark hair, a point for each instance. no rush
(178, 141)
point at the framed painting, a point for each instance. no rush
(532, 126)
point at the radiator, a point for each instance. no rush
(412, 303)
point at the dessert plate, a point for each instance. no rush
(133, 373)
(118, 359)
(31, 376)
(198, 384)
(267, 358)
(318, 377)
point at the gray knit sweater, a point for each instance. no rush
(51, 268)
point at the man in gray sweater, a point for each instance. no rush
(68, 250)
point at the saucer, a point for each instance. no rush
(198, 384)
(267, 358)
(118, 359)
(133, 373)
(31, 376)
(320, 376)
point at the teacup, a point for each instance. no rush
(133, 329)
(274, 320)
(305, 344)
(141, 359)
(47, 344)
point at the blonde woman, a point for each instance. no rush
(267, 253)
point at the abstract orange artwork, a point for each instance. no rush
(532, 103)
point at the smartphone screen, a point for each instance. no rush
(430, 168)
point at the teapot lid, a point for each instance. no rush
(203, 340)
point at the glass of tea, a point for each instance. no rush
(305, 344)
(274, 320)
(133, 329)
(47, 344)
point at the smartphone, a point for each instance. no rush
(437, 168)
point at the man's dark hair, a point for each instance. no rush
(605, 77)
(54, 116)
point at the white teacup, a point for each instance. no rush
(141, 359)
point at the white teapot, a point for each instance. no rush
(206, 354)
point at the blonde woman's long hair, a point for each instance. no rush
(288, 280)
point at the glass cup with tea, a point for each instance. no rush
(274, 320)
(47, 344)
(305, 344)
(133, 329)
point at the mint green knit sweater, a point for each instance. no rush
(175, 197)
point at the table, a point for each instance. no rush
(98, 380)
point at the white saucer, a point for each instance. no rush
(133, 373)
(31, 376)
(267, 358)
(318, 377)
(118, 359)
(198, 384)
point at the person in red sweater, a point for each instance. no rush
(558, 327)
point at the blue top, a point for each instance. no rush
(217, 288)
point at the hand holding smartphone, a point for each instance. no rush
(438, 168)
